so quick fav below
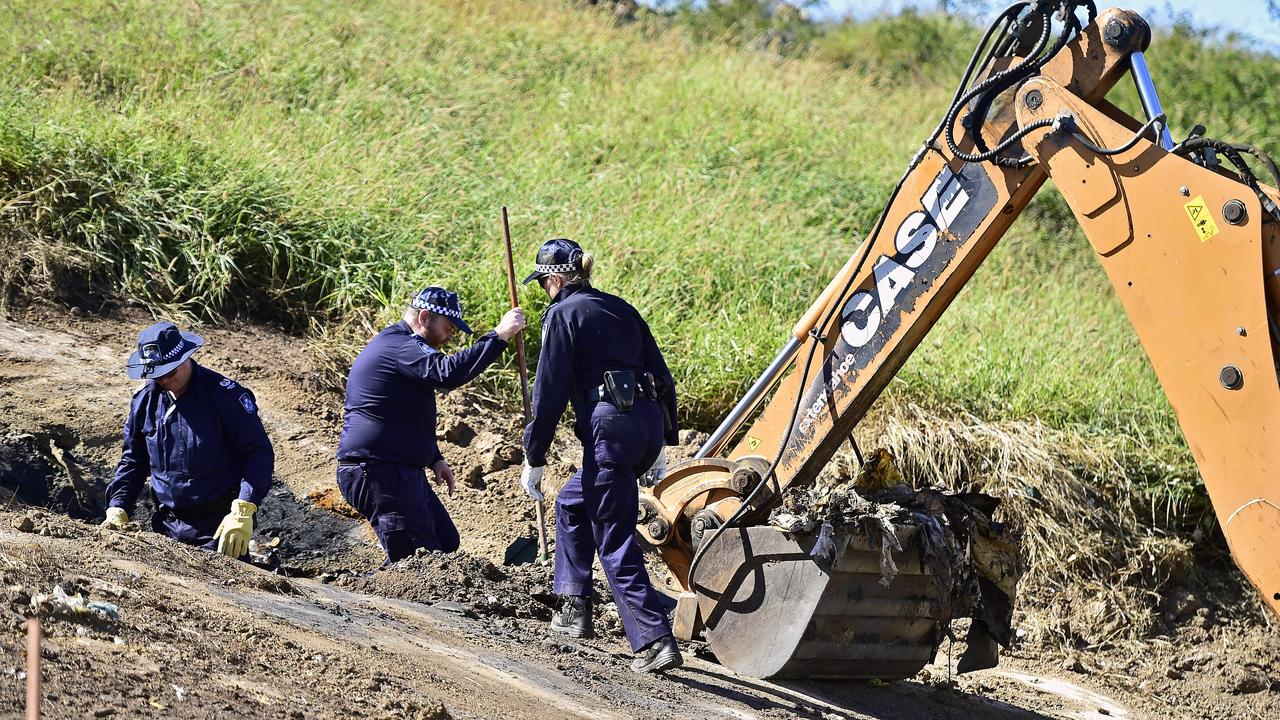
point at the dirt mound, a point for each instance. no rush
(475, 584)
(476, 587)
(195, 617)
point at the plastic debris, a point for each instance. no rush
(73, 607)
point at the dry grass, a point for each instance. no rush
(1096, 566)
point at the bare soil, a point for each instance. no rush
(327, 635)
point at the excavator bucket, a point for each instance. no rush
(773, 611)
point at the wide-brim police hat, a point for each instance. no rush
(161, 348)
(441, 302)
(560, 255)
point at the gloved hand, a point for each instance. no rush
(531, 481)
(657, 471)
(236, 528)
(117, 518)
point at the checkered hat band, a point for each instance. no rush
(437, 309)
(150, 352)
(562, 268)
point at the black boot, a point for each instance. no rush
(658, 656)
(574, 617)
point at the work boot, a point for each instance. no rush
(659, 656)
(574, 617)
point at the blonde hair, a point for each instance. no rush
(579, 277)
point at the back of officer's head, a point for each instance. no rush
(564, 259)
(580, 276)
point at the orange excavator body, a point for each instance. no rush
(1194, 255)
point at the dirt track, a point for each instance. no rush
(200, 636)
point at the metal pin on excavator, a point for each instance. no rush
(1190, 242)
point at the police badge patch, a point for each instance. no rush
(425, 348)
(227, 383)
(246, 401)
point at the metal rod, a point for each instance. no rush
(1147, 92)
(749, 401)
(543, 557)
(34, 631)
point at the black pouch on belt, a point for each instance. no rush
(620, 386)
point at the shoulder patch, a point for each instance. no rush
(246, 401)
(425, 348)
(227, 383)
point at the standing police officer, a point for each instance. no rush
(199, 437)
(598, 353)
(389, 421)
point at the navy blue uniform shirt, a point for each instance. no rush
(390, 412)
(197, 448)
(586, 332)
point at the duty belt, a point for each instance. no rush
(627, 385)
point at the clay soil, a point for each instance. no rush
(328, 635)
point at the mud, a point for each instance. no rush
(329, 635)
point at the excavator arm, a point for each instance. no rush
(1192, 249)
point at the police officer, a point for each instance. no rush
(389, 420)
(199, 437)
(598, 353)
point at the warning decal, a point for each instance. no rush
(1201, 219)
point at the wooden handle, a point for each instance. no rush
(511, 287)
(524, 375)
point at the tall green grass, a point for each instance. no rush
(310, 163)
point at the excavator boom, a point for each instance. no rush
(1192, 250)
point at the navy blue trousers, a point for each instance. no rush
(402, 508)
(596, 513)
(193, 525)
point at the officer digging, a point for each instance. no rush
(389, 420)
(197, 435)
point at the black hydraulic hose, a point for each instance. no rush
(1004, 17)
(996, 84)
(1227, 150)
(1084, 140)
(1262, 157)
(1002, 80)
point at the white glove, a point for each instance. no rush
(657, 471)
(531, 481)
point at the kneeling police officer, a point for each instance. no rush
(389, 420)
(598, 353)
(198, 436)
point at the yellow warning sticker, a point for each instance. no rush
(1201, 219)
(752, 442)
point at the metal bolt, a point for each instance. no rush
(1240, 331)
(658, 528)
(1034, 100)
(1234, 213)
(1115, 32)
(1231, 377)
(1186, 192)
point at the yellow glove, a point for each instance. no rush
(236, 528)
(117, 518)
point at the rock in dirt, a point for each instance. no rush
(453, 430)
(1248, 681)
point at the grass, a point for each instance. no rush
(310, 163)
